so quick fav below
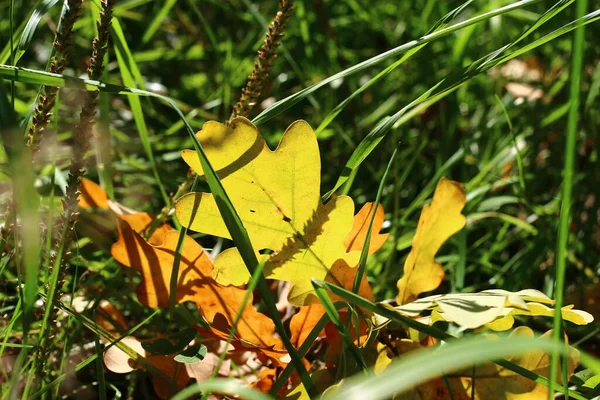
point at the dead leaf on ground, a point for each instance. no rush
(437, 223)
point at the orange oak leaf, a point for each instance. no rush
(265, 344)
(92, 195)
(155, 263)
(438, 222)
(356, 238)
(303, 322)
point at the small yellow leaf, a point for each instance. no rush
(438, 222)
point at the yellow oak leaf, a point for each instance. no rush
(438, 222)
(156, 262)
(276, 193)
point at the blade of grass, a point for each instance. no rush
(177, 261)
(26, 202)
(362, 264)
(99, 366)
(32, 23)
(157, 20)
(224, 386)
(567, 191)
(282, 105)
(331, 311)
(439, 25)
(308, 342)
(420, 366)
(140, 122)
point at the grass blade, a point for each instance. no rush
(32, 24)
(158, 19)
(567, 190)
(420, 366)
(362, 264)
(26, 202)
(341, 327)
(224, 386)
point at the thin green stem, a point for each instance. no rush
(567, 192)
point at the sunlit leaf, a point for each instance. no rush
(493, 308)
(438, 222)
(194, 284)
(276, 194)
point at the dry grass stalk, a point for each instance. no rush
(62, 46)
(81, 145)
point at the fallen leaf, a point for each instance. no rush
(140, 221)
(156, 262)
(491, 308)
(276, 194)
(195, 284)
(117, 361)
(578, 317)
(303, 322)
(266, 380)
(356, 238)
(438, 222)
(92, 195)
(110, 318)
(523, 91)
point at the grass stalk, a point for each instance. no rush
(567, 190)
(58, 63)
(81, 136)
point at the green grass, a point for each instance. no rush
(426, 85)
